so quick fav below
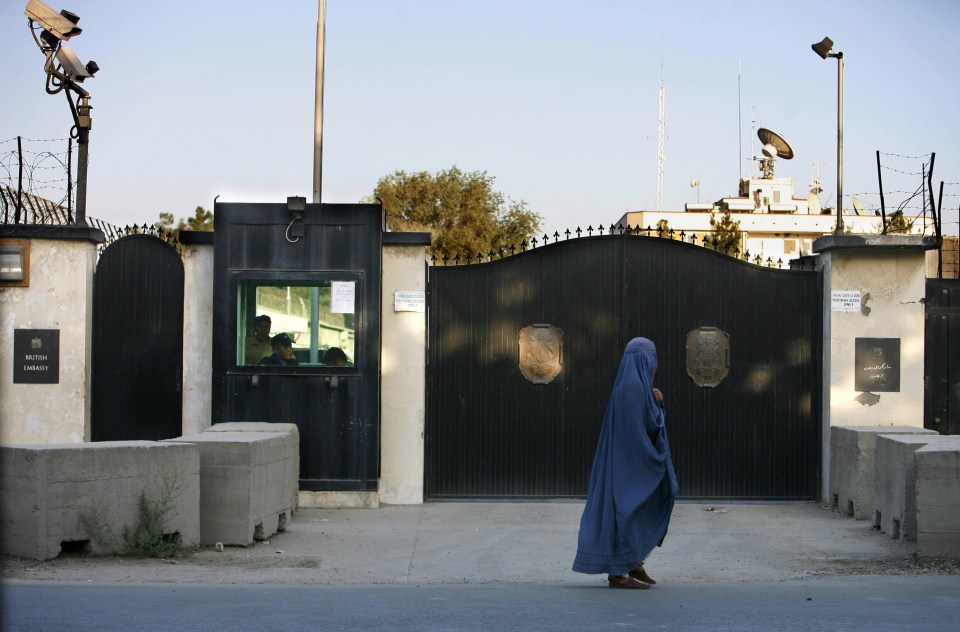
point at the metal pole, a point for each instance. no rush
(83, 141)
(70, 180)
(16, 215)
(839, 229)
(318, 105)
(937, 216)
(883, 206)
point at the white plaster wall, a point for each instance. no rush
(60, 296)
(892, 286)
(894, 282)
(403, 379)
(197, 337)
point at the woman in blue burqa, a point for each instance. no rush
(632, 483)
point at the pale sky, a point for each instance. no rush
(557, 100)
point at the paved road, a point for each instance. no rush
(501, 566)
(927, 603)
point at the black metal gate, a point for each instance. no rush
(137, 341)
(941, 410)
(492, 433)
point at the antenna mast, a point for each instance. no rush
(739, 126)
(660, 157)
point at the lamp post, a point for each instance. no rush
(65, 73)
(318, 103)
(823, 49)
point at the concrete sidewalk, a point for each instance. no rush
(439, 543)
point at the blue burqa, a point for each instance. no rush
(632, 483)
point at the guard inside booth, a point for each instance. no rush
(296, 331)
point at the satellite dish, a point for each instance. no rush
(814, 207)
(776, 144)
(694, 183)
(858, 207)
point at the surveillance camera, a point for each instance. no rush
(61, 25)
(72, 66)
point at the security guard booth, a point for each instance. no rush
(314, 271)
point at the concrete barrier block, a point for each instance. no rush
(895, 480)
(50, 493)
(938, 499)
(293, 445)
(852, 466)
(244, 484)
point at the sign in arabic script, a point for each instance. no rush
(877, 365)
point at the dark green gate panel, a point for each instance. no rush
(941, 410)
(137, 348)
(491, 433)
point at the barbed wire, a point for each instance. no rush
(883, 153)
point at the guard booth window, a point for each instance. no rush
(318, 318)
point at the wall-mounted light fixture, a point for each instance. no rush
(12, 264)
(296, 205)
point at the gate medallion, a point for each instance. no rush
(708, 356)
(541, 353)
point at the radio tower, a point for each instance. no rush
(660, 157)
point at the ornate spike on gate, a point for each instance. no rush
(578, 232)
(590, 230)
(533, 242)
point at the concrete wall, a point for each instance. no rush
(197, 337)
(59, 296)
(889, 272)
(895, 483)
(45, 490)
(853, 466)
(244, 478)
(938, 499)
(403, 379)
(292, 461)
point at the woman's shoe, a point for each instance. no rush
(625, 581)
(641, 574)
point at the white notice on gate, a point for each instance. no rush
(342, 295)
(845, 301)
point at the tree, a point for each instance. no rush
(898, 224)
(727, 235)
(663, 228)
(202, 220)
(461, 211)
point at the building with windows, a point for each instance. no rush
(776, 224)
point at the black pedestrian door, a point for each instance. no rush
(942, 370)
(137, 341)
(751, 434)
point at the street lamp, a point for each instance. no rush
(65, 73)
(823, 49)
